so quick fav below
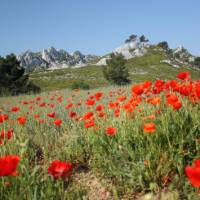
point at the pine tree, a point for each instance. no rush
(12, 77)
(115, 71)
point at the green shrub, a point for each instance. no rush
(80, 85)
(115, 71)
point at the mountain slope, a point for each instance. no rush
(146, 67)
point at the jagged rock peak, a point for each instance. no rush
(52, 58)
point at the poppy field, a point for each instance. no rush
(138, 139)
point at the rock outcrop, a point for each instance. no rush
(53, 59)
(130, 49)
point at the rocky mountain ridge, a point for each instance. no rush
(53, 59)
(134, 46)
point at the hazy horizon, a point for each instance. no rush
(96, 27)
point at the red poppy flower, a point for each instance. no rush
(98, 95)
(90, 102)
(177, 105)
(21, 120)
(70, 105)
(184, 90)
(8, 165)
(42, 105)
(171, 99)
(72, 114)
(159, 83)
(3, 117)
(147, 84)
(99, 108)
(193, 173)
(111, 131)
(89, 124)
(7, 134)
(36, 116)
(59, 169)
(59, 99)
(58, 122)
(138, 89)
(117, 112)
(101, 114)
(15, 109)
(122, 98)
(150, 117)
(149, 128)
(87, 115)
(113, 104)
(52, 114)
(38, 98)
(183, 76)
(154, 101)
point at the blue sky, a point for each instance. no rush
(96, 26)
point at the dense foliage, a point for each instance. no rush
(12, 78)
(164, 45)
(115, 71)
(197, 62)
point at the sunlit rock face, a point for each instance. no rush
(53, 59)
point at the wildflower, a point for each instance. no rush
(89, 124)
(193, 173)
(52, 114)
(58, 122)
(36, 116)
(38, 98)
(113, 104)
(87, 115)
(21, 120)
(101, 114)
(15, 109)
(111, 131)
(122, 98)
(59, 169)
(42, 104)
(8, 165)
(3, 117)
(138, 89)
(177, 105)
(99, 108)
(7, 134)
(149, 128)
(70, 105)
(147, 84)
(159, 83)
(171, 99)
(117, 112)
(150, 117)
(90, 102)
(72, 114)
(154, 101)
(183, 76)
(98, 95)
(146, 163)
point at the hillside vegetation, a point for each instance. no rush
(147, 67)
